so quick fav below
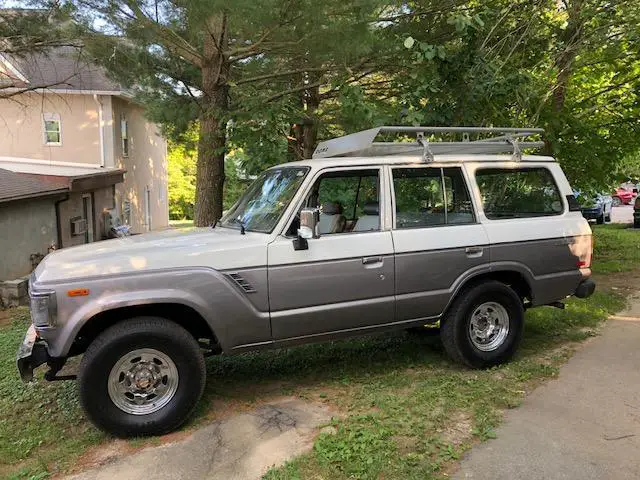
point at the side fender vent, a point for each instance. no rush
(241, 282)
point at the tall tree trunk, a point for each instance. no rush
(570, 40)
(303, 135)
(213, 137)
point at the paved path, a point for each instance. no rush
(242, 447)
(584, 425)
(622, 214)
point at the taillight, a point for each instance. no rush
(582, 248)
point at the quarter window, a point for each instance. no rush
(52, 129)
(518, 193)
(427, 197)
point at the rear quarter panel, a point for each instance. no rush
(540, 248)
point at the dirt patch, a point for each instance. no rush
(459, 430)
(5, 318)
(404, 444)
(624, 283)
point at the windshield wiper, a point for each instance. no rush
(242, 225)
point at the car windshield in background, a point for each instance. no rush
(264, 202)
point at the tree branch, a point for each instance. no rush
(281, 74)
(301, 88)
(171, 39)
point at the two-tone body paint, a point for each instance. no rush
(343, 284)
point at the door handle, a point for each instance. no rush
(474, 252)
(372, 261)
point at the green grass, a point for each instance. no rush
(617, 248)
(180, 223)
(405, 411)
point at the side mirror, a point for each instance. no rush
(309, 228)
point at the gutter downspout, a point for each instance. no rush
(100, 128)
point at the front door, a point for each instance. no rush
(437, 238)
(344, 281)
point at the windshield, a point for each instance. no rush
(264, 202)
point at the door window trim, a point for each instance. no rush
(440, 167)
(312, 181)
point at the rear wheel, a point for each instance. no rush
(143, 376)
(484, 325)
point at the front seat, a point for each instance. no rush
(370, 221)
(331, 218)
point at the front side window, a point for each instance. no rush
(349, 202)
(427, 197)
(52, 129)
(261, 206)
(518, 193)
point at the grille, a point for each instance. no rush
(242, 282)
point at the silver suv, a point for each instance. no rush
(366, 237)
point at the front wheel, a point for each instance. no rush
(616, 201)
(484, 325)
(142, 376)
(600, 219)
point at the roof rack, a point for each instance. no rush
(508, 140)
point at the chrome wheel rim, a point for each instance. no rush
(489, 326)
(143, 381)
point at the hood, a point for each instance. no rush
(219, 248)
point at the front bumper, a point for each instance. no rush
(31, 354)
(585, 288)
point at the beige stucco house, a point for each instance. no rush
(62, 121)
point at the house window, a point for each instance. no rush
(124, 133)
(52, 129)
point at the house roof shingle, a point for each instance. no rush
(17, 186)
(22, 186)
(63, 68)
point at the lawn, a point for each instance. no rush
(402, 409)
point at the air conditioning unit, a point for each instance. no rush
(78, 226)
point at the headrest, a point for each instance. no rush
(371, 208)
(331, 208)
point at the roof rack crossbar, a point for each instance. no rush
(509, 140)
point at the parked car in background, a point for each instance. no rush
(622, 196)
(597, 207)
(636, 213)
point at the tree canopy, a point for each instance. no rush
(269, 78)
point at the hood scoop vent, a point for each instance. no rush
(241, 282)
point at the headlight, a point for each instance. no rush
(43, 309)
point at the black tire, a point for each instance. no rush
(119, 340)
(636, 224)
(607, 219)
(454, 329)
(616, 201)
(600, 219)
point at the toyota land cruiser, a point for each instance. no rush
(365, 237)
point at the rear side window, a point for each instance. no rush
(518, 193)
(427, 197)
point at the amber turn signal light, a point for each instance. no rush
(78, 292)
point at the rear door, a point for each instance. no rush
(437, 238)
